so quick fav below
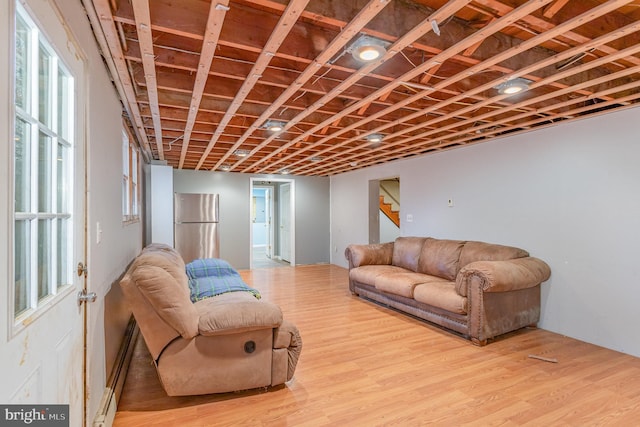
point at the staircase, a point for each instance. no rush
(394, 216)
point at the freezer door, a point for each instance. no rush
(195, 207)
(197, 240)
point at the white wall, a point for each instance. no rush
(568, 194)
(159, 202)
(311, 206)
(388, 230)
(119, 243)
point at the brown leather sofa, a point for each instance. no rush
(477, 289)
(225, 343)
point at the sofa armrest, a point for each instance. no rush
(503, 276)
(236, 312)
(287, 337)
(374, 254)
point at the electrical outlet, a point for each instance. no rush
(409, 218)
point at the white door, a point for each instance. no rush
(285, 222)
(43, 359)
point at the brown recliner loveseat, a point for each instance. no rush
(228, 342)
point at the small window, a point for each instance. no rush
(43, 158)
(130, 189)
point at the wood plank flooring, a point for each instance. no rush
(366, 365)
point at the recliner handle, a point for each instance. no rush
(249, 347)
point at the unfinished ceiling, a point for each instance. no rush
(199, 78)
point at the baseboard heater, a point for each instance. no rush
(109, 403)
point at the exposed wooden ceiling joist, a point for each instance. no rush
(215, 19)
(199, 81)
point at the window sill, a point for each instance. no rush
(129, 221)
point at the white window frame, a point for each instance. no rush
(57, 211)
(130, 177)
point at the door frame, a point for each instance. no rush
(26, 386)
(374, 208)
(255, 181)
(269, 215)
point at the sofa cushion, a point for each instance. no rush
(169, 298)
(440, 258)
(380, 253)
(234, 312)
(481, 251)
(403, 283)
(169, 261)
(441, 294)
(406, 252)
(367, 273)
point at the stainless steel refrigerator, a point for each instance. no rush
(196, 226)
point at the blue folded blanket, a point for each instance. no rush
(209, 277)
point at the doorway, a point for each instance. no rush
(262, 212)
(384, 210)
(45, 352)
(272, 213)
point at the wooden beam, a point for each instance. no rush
(540, 23)
(366, 14)
(513, 130)
(471, 49)
(110, 32)
(284, 26)
(486, 116)
(577, 21)
(363, 109)
(423, 28)
(553, 8)
(143, 27)
(428, 75)
(492, 28)
(217, 12)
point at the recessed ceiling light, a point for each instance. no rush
(375, 137)
(316, 159)
(285, 171)
(274, 125)
(225, 167)
(513, 86)
(241, 153)
(367, 48)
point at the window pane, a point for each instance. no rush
(134, 182)
(125, 155)
(22, 169)
(44, 258)
(125, 197)
(64, 241)
(64, 105)
(44, 86)
(61, 168)
(21, 255)
(134, 200)
(44, 94)
(44, 173)
(22, 61)
(134, 166)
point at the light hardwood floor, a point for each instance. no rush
(365, 365)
